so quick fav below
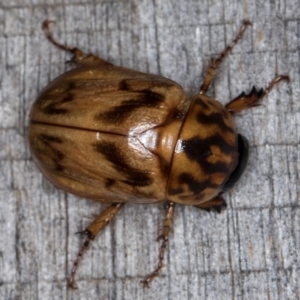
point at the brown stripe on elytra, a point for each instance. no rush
(123, 85)
(52, 109)
(50, 138)
(57, 155)
(214, 119)
(50, 104)
(133, 176)
(144, 98)
(109, 182)
(194, 185)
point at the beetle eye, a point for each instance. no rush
(243, 149)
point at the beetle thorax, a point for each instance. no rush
(205, 153)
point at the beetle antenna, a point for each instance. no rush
(215, 63)
(48, 33)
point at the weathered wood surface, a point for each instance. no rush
(251, 250)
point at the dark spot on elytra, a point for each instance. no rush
(198, 150)
(137, 178)
(144, 98)
(123, 85)
(67, 98)
(59, 168)
(52, 107)
(214, 119)
(50, 138)
(109, 182)
(134, 176)
(59, 155)
(49, 142)
(194, 185)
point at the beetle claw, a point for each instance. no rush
(72, 285)
(145, 283)
(83, 232)
(160, 237)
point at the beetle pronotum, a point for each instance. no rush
(117, 135)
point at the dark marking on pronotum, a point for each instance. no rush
(214, 119)
(138, 100)
(197, 148)
(134, 176)
(194, 185)
(176, 191)
(201, 103)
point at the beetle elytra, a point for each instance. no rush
(116, 135)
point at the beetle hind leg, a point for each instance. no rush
(215, 64)
(165, 239)
(254, 98)
(79, 56)
(91, 231)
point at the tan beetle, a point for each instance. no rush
(117, 135)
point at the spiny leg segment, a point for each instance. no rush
(91, 231)
(254, 98)
(165, 239)
(215, 64)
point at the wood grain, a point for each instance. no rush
(250, 251)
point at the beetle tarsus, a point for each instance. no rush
(91, 232)
(275, 81)
(165, 237)
(90, 237)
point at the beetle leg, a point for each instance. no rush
(79, 56)
(91, 231)
(254, 98)
(165, 238)
(217, 203)
(215, 64)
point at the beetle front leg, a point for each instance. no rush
(165, 238)
(79, 56)
(254, 98)
(215, 64)
(91, 231)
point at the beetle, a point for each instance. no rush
(116, 135)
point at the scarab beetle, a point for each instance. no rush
(117, 135)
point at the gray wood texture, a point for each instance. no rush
(251, 250)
